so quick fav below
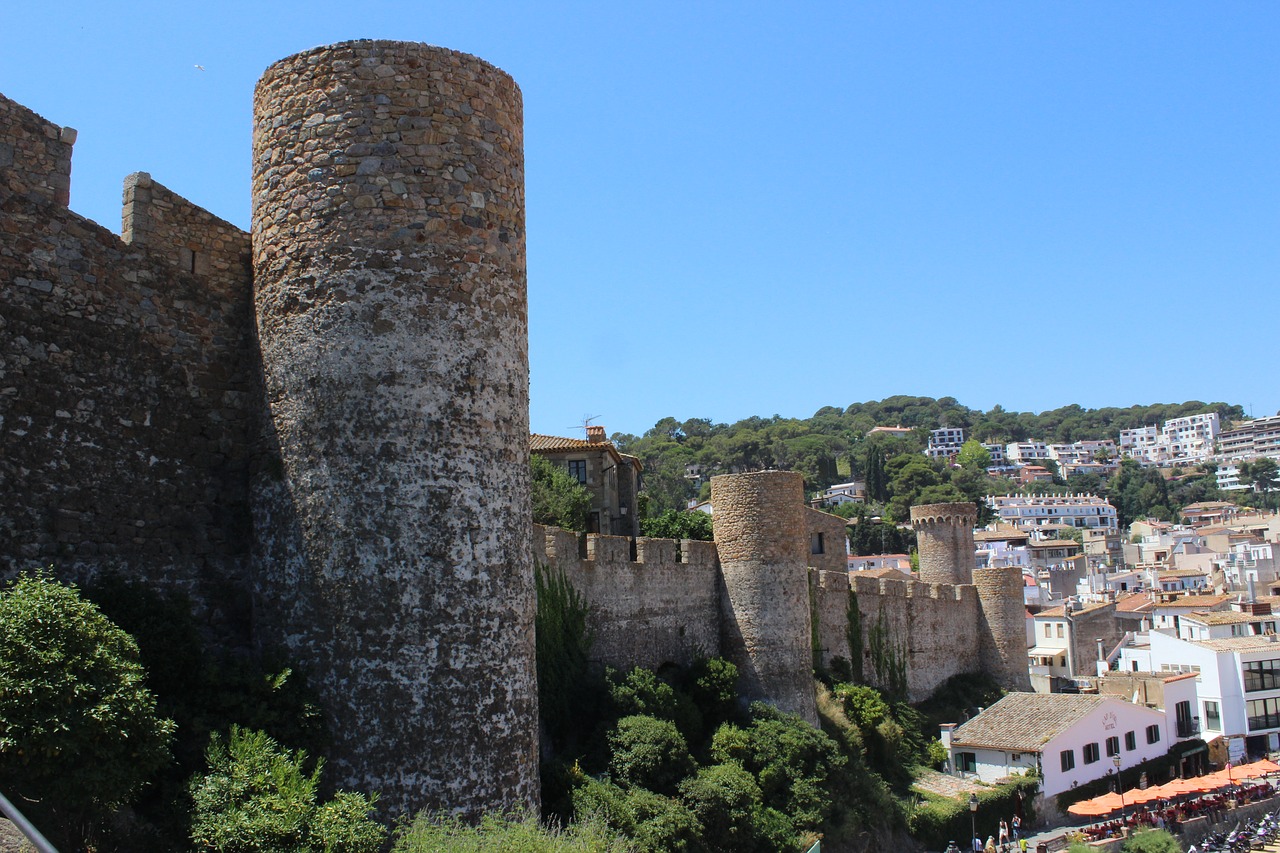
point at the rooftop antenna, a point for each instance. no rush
(586, 422)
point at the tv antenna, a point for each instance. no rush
(586, 422)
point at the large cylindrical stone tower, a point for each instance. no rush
(944, 539)
(392, 559)
(1002, 646)
(763, 543)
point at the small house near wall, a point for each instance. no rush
(612, 478)
(1070, 739)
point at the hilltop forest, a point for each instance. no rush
(833, 446)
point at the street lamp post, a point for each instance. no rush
(973, 815)
(1119, 784)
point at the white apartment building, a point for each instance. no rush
(997, 454)
(1026, 452)
(945, 442)
(1252, 440)
(1181, 441)
(1031, 511)
(1082, 452)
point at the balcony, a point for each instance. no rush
(1188, 728)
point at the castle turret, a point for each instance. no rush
(762, 537)
(944, 539)
(393, 503)
(1002, 633)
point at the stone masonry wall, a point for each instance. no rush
(935, 627)
(662, 606)
(944, 539)
(389, 272)
(127, 392)
(762, 539)
(1003, 639)
(35, 155)
(191, 238)
(827, 531)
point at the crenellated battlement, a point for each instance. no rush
(652, 601)
(35, 155)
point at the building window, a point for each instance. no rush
(1263, 713)
(1048, 630)
(1212, 716)
(1059, 631)
(967, 762)
(1130, 741)
(1153, 733)
(815, 544)
(1182, 716)
(578, 470)
(1261, 675)
(1091, 753)
(1113, 746)
(1068, 759)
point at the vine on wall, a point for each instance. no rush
(889, 657)
(853, 633)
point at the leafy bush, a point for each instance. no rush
(724, 798)
(440, 833)
(258, 796)
(713, 686)
(649, 753)
(79, 731)
(651, 821)
(1151, 841)
(641, 691)
(790, 759)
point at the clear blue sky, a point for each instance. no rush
(740, 208)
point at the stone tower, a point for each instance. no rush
(763, 541)
(1002, 634)
(393, 504)
(944, 539)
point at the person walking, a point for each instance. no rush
(1017, 827)
(1004, 832)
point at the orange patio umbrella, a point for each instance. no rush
(1254, 770)
(1140, 796)
(1098, 806)
(1193, 785)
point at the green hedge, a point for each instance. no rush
(1158, 770)
(939, 820)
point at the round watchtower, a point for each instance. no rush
(389, 272)
(1002, 636)
(762, 541)
(944, 540)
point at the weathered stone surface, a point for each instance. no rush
(394, 551)
(762, 539)
(944, 538)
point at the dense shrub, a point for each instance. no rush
(725, 799)
(79, 731)
(648, 753)
(653, 823)
(1151, 841)
(441, 833)
(558, 499)
(258, 796)
(641, 691)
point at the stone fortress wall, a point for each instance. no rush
(342, 468)
(127, 384)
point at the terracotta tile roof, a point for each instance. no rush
(1227, 617)
(558, 444)
(1025, 722)
(1138, 601)
(1054, 543)
(1239, 644)
(1194, 601)
(891, 574)
(1059, 611)
(1180, 677)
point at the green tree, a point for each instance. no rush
(1263, 474)
(649, 753)
(973, 455)
(678, 524)
(258, 796)
(558, 498)
(877, 482)
(725, 799)
(563, 641)
(79, 732)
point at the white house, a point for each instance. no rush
(1071, 738)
